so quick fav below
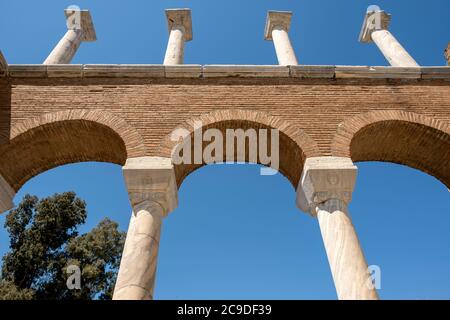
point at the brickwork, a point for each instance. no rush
(45, 122)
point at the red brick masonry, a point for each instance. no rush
(53, 115)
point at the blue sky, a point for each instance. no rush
(237, 234)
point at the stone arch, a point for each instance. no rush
(295, 145)
(53, 139)
(397, 136)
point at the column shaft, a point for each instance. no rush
(175, 46)
(285, 52)
(347, 262)
(136, 278)
(392, 49)
(324, 190)
(66, 48)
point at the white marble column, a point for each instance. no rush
(153, 194)
(375, 29)
(180, 31)
(325, 189)
(277, 29)
(7, 194)
(79, 28)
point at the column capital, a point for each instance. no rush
(7, 194)
(151, 179)
(180, 18)
(277, 19)
(323, 179)
(77, 19)
(374, 20)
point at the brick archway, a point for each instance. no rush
(397, 136)
(294, 144)
(54, 139)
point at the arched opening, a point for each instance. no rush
(239, 235)
(55, 139)
(398, 207)
(293, 144)
(399, 137)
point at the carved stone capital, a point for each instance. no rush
(280, 19)
(375, 20)
(151, 179)
(324, 179)
(81, 20)
(180, 18)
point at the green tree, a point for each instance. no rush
(44, 242)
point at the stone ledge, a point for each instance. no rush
(123, 70)
(257, 71)
(221, 71)
(183, 71)
(64, 70)
(27, 71)
(377, 72)
(312, 71)
(436, 73)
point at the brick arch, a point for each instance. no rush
(397, 136)
(295, 144)
(53, 139)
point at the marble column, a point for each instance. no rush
(325, 189)
(153, 194)
(277, 29)
(180, 31)
(7, 194)
(375, 29)
(80, 28)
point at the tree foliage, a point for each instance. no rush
(44, 241)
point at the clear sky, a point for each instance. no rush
(237, 234)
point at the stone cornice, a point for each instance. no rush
(220, 71)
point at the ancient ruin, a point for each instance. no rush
(328, 117)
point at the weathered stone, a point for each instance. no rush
(79, 28)
(183, 71)
(244, 71)
(312, 71)
(153, 194)
(27, 71)
(64, 70)
(435, 73)
(180, 31)
(123, 71)
(325, 189)
(377, 72)
(374, 29)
